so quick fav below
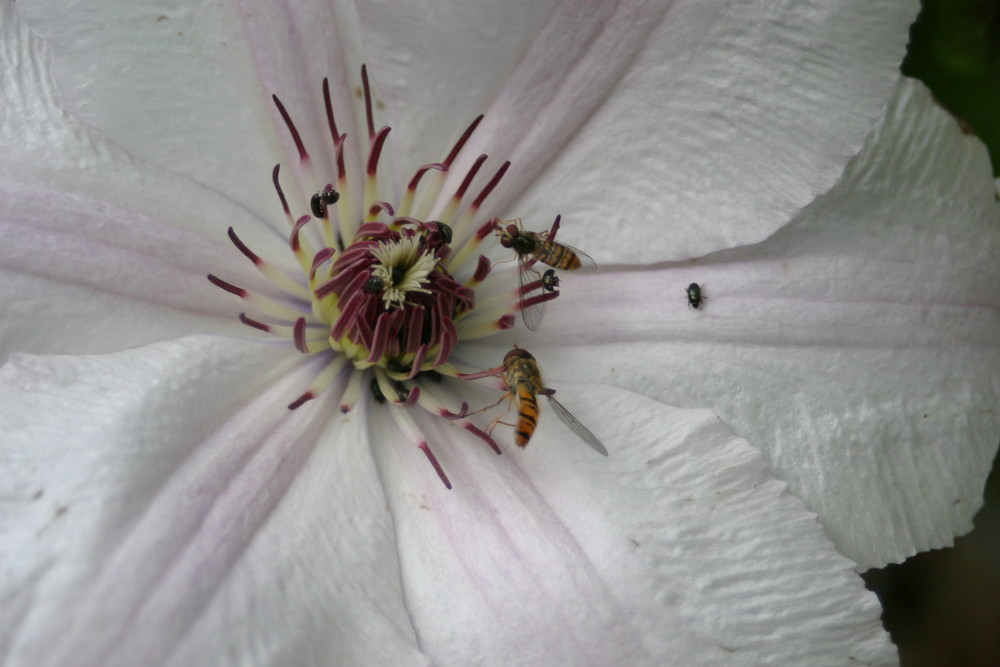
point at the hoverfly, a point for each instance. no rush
(536, 289)
(523, 383)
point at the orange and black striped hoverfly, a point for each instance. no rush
(523, 382)
(536, 289)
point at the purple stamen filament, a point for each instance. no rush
(378, 295)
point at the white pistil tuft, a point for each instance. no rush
(403, 268)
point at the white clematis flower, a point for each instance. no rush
(161, 503)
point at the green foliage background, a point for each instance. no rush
(955, 50)
(943, 607)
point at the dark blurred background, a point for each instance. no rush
(942, 607)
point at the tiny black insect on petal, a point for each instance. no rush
(321, 200)
(694, 295)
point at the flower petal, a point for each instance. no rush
(45, 147)
(660, 130)
(157, 511)
(857, 346)
(99, 251)
(680, 113)
(84, 276)
(176, 87)
(678, 549)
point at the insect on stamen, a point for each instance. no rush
(529, 247)
(384, 299)
(522, 379)
(321, 200)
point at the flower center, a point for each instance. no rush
(389, 281)
(389, 299)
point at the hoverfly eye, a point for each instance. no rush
(374, 285)
(444, 231)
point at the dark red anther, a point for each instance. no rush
(491, 185)
(486, 437)
(338, 148)
(322, 256)
(461, 141)
(423, 170)
(294, 238)
(467, 181)
(304, 398)
(374, 230)
(380, 337)
(483, 269)
(348, 314)
(362, 332)
(466, 295)
(330, 120)
(554, 228)
(303, 154)
(434, 462)
(412, 397)
(229, 287)
(537, 299)
(418, 361)
(378, 206)
(448, 414)
(414, 329)
(299, 335)
(243, 248)
(448, 340)
(528, 288)
(368, 101)
(281, 193)
(256, 324)
(491, 226)
(338, 138)
(376, 150)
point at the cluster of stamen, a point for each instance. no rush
(385, 292)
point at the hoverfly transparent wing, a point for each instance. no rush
(582, 432)
(532, 293)
(587, 264)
